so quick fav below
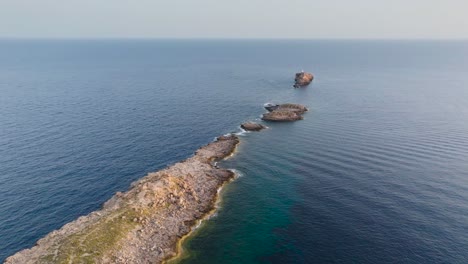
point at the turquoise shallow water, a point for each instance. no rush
(376, 173)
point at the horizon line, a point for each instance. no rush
(230, 38)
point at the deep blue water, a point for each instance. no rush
(376, 173)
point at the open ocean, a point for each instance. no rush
(376, 173)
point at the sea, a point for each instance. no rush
(377, 172)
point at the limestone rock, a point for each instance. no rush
(251, 126)
(303, 79)
(285, 112)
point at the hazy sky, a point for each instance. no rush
(235, 18)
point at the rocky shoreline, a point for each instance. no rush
(144, 224)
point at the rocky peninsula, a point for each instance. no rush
(303, 79)
(147, 223)
(144, 224)
(285, 113)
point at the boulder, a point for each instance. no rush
(251, 126)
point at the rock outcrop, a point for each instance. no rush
(251, 126)
(286, 112)
(303, 79)
(144, 224)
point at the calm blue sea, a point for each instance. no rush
(376, 173)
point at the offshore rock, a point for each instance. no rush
(298, 108)
(285, 113)
(303, 79)
(251, 126)
(144, 224)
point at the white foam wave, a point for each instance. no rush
(242, 132)
(237, 173)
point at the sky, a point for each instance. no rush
(305, 19)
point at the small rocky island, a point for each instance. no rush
(303, 79)
(252, 126)
(144, 224)
(284, 112)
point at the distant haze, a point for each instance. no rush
(234, 19)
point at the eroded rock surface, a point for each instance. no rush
(286, 112)
(251, 126)
(144, 224)
(303, 79)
